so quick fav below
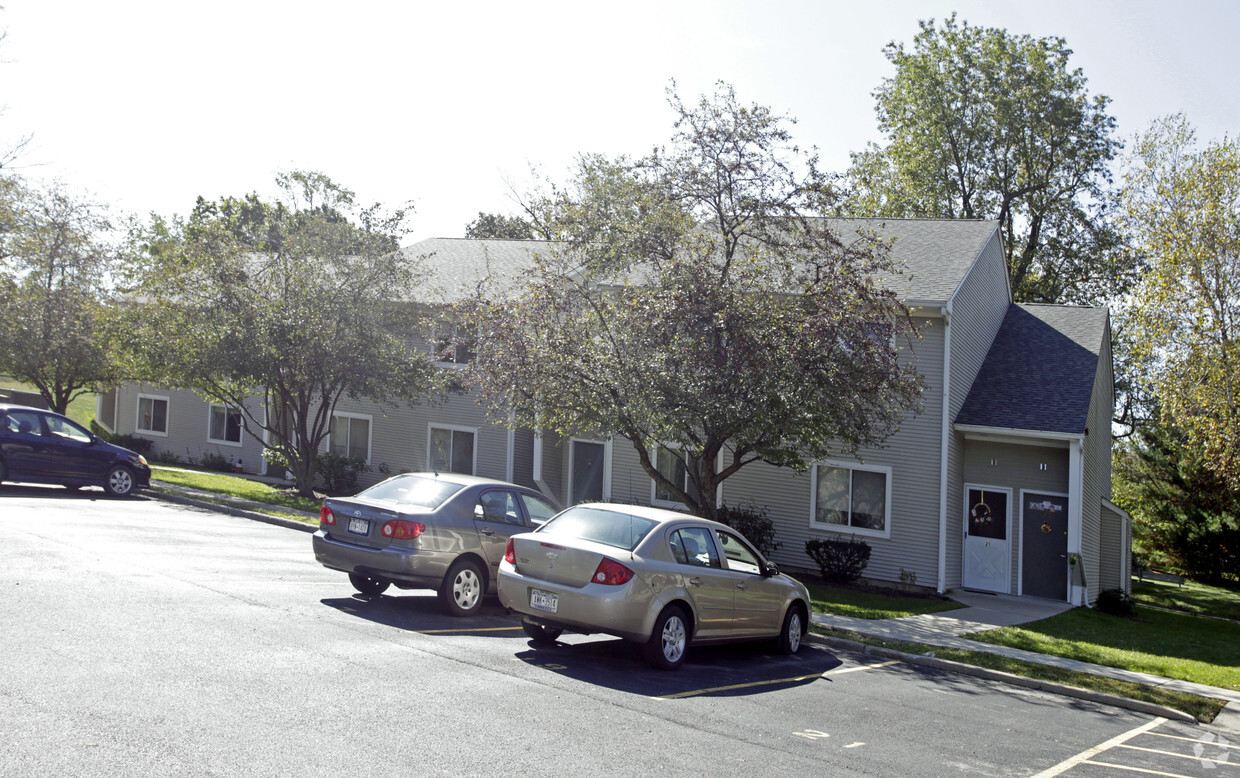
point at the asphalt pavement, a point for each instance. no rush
(945, 629)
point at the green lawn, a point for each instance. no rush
(845, 601)
(1189, 648)
(1203, 708)
(81, 409)
(237, 487)
(1191, 597)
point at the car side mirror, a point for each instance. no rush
(771, 570)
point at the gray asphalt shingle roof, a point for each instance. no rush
(455, 266)
(934, 255)
(1039, 372)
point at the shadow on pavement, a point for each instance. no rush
(420, 611)
(733, 670)
(52, 492)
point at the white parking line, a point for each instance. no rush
(1132, 769)
(1084, 756)
(860, 667)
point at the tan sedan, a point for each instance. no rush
(655, 577)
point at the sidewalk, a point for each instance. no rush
(983, 612)
(234, 506)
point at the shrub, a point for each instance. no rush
(1116, 602)
(216, 462)
(754, 523)
(840, 560)
(339, 473)
(132, 442)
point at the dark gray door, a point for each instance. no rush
(1044, 544)
(587, 473)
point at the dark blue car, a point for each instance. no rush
(42, 447)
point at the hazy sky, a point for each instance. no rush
(148, 104)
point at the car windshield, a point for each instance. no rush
(611, 528)
(422, 492)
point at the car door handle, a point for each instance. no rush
(743, 586)
(695, 581)
(488, 531)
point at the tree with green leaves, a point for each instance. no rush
(58, 260)
(697, 302)
(1181, 207)
(297, 301)
(495, 226)
(1186, 517)
(984, 124)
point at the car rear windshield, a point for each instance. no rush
(415, 490)
(611, 528)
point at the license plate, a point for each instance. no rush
(359, 526)
(544, 601)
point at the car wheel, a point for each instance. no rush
(670, 639)
(794, 629)
(540, 634)
(367, 585)
(119, 482)
(461, 590)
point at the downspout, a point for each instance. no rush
(943, 447)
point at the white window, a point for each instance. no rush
(851, 498)
(350, 436)
(670, 464)
(224, 425)
(453, 343)
(152, 415)
(451, 450)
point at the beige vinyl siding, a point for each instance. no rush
(1013, 466)
(1096, 467)
(912, 454)
(189, 418)
(400, 435)
(1111, 566)
(978, 308)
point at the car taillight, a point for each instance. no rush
(403, 530)
(326, 516)
(510, 553)
(612, 573)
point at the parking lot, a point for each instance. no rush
(145, 636)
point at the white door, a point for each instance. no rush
(987, 550)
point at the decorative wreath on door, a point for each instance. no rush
(980, 514)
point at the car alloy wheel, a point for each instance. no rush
(794, 629)
(119, 482)
(670, 639)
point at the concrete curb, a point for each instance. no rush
(1102, 698)
(171, 495)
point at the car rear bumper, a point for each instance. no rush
(623, 611)
(395, 563)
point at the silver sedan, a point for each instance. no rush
(659, 578)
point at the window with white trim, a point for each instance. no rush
(224, 425)
(451, 450)
(350, 436)
(851, 498)
(152, 415)
(671, 465)
(454, 343)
